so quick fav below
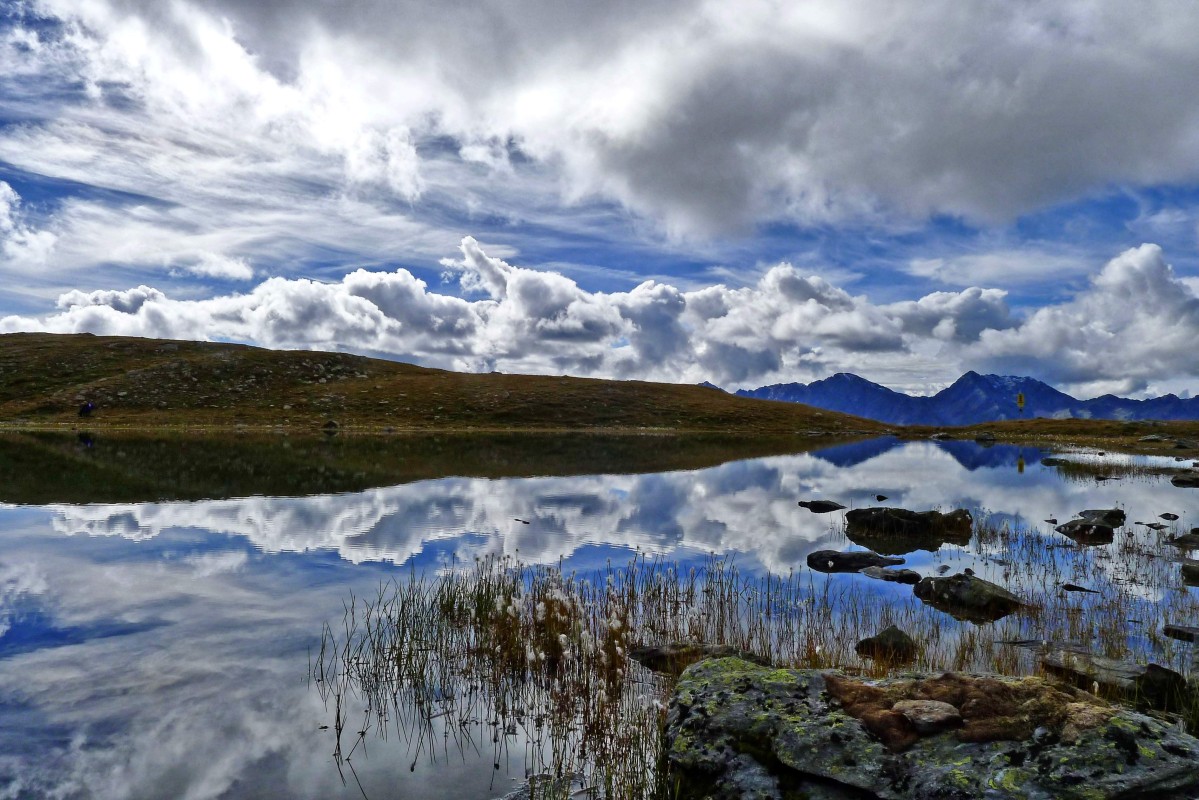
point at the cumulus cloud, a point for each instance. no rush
(1132, 327)
(1136, 323)
(787, 326)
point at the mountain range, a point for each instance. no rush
(970, 400)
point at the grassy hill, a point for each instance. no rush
(157, 384)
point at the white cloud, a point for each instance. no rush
(21, 247)
(1137, 322)
(700, 119)
(211, 265)
(1133, 327)
(785, 327)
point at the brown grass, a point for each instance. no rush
(153, 383)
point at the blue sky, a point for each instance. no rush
(670, 190)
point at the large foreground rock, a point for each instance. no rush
(736, 730)
(897, 530)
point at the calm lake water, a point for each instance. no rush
(160, 648)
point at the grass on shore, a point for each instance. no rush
(151, 383)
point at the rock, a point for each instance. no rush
(1188, 541)
(898, 530)
(1186, 481)
(967, 597)
(849, 561)
(1053, 461)
(1186, 633)
(1111, 517)
(893, 575)
(737, 730)
(671, 659)
(1190, 572)
(1185, 444)
(1087, 532)
(1153, 437)
(940, 436)
(1148, 685)
(1154, 526)
(1072, 587)
(986, 437)
(891, 645)
(820, 506)
(878, 498)
(1168, 516)
(929, 716)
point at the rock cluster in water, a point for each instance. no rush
(738, 730)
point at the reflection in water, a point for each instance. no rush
(159, 649)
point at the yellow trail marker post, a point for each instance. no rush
(1020, 402)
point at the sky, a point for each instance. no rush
(673, 190)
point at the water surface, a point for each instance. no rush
(160, 648)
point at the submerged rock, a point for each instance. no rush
(1188, 541)
(898, 530)
(1148, 685)
(1190, 572)
(849, 561)
(737, 730)
(1186, 481)
(891, 646)
(968, 597)
(1186, 633)
(820, 506)
(908, 576)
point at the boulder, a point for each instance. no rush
(1188, 541)
(737, 730)
(820, 506)
(890, 646)
(908, 576)
(1148, 685)
(1190, 572)
(898, 530)
(1186, 480)
(1186, 633)
(849, 561)
(1087, 531)
(671, 659)
(967, 597)
(1111, 517)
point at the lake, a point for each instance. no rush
(162, 600)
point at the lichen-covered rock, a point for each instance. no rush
(738, 730)
(967, 597)
(674, 657)
(897, 530)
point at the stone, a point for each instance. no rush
(849, 561)
(1168, 516)
(734, 730)
(1188, 541)
(1111, 517)
(1185, 633)
(1148, 685)
(929, 716)
(1153, 437)
(820, 506)
(907, 576)
(1186, 481)
(1190, 572)
(967, 597)
(1087, 532)
(890, 646)
(671, 659)
(897, 530)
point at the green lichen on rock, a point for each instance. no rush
(738, 730)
